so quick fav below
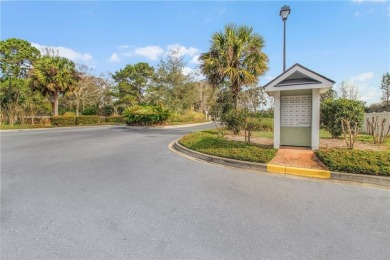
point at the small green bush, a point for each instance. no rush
(88, 120)
(145, 115)
(208, 142)
(356, 161)
(333, 111)
(234, 120)
(63, 120)
(114, 119)
(262, 114)
(265, 124)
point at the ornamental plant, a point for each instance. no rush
(145, 115)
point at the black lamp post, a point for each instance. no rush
(284, 12)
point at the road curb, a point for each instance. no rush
(167, 126)
(371, 179)
(272, 168)
(312, 173)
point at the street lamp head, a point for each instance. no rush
(284, 12)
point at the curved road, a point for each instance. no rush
(115, 193)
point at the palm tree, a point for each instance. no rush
(235, 58)
(53, 75)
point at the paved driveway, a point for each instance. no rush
(115, 193)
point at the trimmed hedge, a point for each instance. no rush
(356, 161)
(63, 120)
(208, 142)
(88, 120)
(145, 115)
(114, 119)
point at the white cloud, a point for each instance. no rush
(183, 51)
(66, 52)
(153, 52)
(362, 77)
(187, 70)
(367, 90)
(195, 60)
(369, 93)
(150, 52)
(114, 58)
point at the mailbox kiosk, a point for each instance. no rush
(296, 95)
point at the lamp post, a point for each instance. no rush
(284, 12)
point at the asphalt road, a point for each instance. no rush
(115, 193)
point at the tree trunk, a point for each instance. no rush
(235, 100)
(54, 104)
(77, 107)
(32, 114)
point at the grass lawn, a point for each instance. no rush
(209, 142)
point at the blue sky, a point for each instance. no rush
(342, 40)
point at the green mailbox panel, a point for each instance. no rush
(295, 118)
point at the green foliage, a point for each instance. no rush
(90, 111)
(145, 115)
(208, 142)
(234, 120)
(132, 82)
(333, 111)
(172, 87)
(235, 57)
(356, 161)
(53, 75)
(114, 119)
(262, 114)
(88, 120)
(251, 124)
(264, 124)
(16, 57)
(63, 120)
(330, 94)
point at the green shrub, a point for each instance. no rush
(262, 114)
(356, 161)
(208, 142)
(333, 111)
(63, 120)
(234, 120)
(88, 120)
(265, 124)
(145, 115)
(114, 119)
(108, 110)
(90, 111)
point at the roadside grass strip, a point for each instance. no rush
(209, 142)
(356, 161)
